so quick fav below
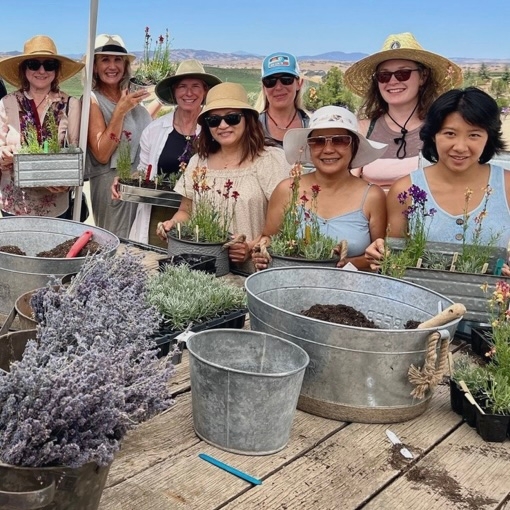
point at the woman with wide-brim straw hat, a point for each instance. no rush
(231, 147)
(166, 144)
(398, 84)
(114, 110)
(36, 105)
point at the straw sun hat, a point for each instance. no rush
(226, 95)
(190, 68)
(403, 46)
(330, 117)
(38, 47)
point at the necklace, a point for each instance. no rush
(41, 101)
(279, 127)
(401, 140)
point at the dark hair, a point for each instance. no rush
(252, 139)
(374, 106)
(476, 107)
(25, 85)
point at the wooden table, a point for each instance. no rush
(326, 465)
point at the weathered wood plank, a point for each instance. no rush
(180, 382)
(185, 481)
(462, 472)
(350, 466)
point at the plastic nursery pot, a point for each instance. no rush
(478, 334)
(469, 412)
(205, 263)
(456, 397)
(492, 427)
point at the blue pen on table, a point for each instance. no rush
(230, 469)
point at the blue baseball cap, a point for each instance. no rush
(280, 62)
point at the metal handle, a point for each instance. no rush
(30, 500)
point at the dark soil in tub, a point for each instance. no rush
(60, 251)
(346, 315)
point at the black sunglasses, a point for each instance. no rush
(35, 65)
(317, 142)
(232, 119)
(270, 81)
(400, 75)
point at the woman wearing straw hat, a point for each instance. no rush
(166, 144)
(231, 147)
(398, 84)
(280, 102)
(36, 106)
(113, 110)
(347, 207)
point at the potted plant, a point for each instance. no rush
(193, 299)
(155, 63)
(298, 245)
(211, 216)
(493, 418)
(46, 164)
(463, 368)
(90, 375)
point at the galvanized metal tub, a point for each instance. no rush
(244, 389)
(355, 374)
(33, 234)
(149, 196)
(12, 347)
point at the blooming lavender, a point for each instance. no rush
(92, 374)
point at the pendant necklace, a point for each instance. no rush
(401, 140)
(287, 126)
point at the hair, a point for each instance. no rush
(476, 107)
(354, 146)
(252, 141)
(96, 82)
(25, 85)
(262, 103)
(374, 106)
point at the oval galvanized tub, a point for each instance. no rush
(33, 234)
(355, 374)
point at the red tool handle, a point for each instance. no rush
(79, 244)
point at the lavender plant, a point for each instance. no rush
(91, 375)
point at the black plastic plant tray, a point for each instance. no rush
(205, 263)
(233, 320)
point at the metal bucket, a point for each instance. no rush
(355, 374)
(33, 234)
(244, 387)
(24, 311)
(12, 347)
(55, 488)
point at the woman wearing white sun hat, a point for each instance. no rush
(398, 84)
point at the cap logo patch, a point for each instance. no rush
(279, 61)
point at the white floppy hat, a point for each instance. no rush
(330, 117)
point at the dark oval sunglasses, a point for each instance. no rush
(317, 142)
(400, 75)
(270, 81)
(232, 119)
(35, 65)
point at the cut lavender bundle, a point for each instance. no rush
(91, 375)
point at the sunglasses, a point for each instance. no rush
(340, 141)
(400, 75)
(232, 119)
(270, 81)
(35, 65)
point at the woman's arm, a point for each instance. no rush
(181, 216)
(397, 222)
(73, 121)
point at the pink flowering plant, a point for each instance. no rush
(300, 234)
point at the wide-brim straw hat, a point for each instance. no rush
(359, 76)
(112, 45)
(190, 68)
(330, 117)
(43, 47)
(226, 95)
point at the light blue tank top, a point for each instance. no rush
(352, 226)
(447, 228)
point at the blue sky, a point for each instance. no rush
(455, 28)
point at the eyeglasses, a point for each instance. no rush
(232, 119)
(340, 141)
(400, 75)
(35, 65)
(270, 81)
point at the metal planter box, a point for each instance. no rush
(43, 170)
(149, 196)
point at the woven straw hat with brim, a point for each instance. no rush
(226, 95)
(187, 69)
(330, 117)
(112, 45)
(403, 46)
(38, 47)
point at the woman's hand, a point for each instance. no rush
(505, 270)
(6, 156)
(259, 255)
(57, 189)
(239, 252)
(129, 100)
(115, 189)
(375, 253)
(163, 227)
